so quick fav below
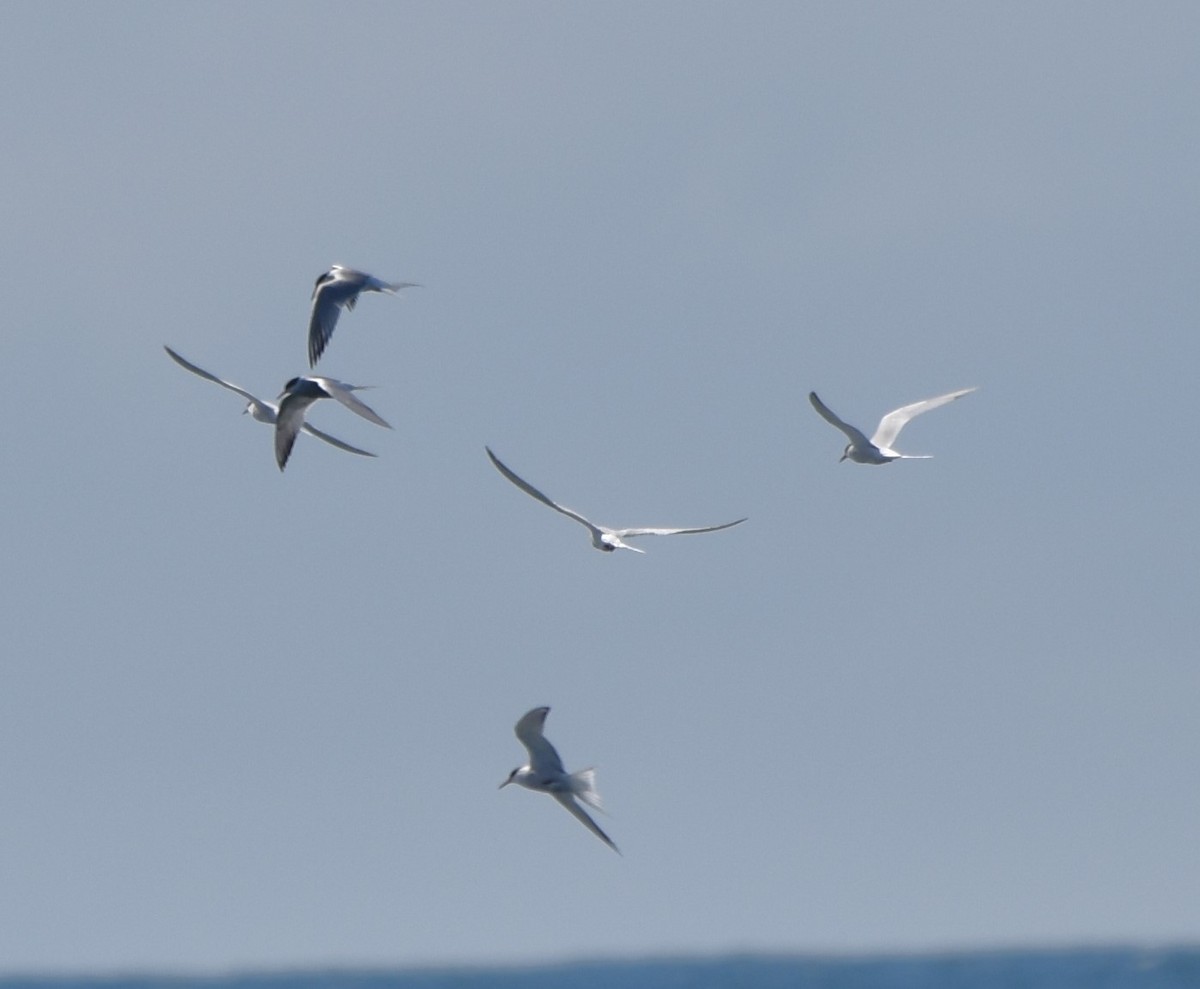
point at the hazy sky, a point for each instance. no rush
(258, 719)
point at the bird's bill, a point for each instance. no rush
(504, 784)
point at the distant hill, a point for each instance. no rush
(1111, 968)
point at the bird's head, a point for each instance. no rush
(846, 452)
(512, 778)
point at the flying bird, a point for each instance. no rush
(545, 773)
(260, 410)
(338, 289)
(878, 449)
(603, 538)
(298, 394)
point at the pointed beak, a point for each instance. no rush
(843, 457)
(504, 784)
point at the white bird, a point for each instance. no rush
(298, 394)
(878, 449)
(603, 538)
(260, 410)
(545, 773)
(338, 289)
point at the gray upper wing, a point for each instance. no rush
(345, 394)
(568, 801)
(288, 423)
(332, 293)
(334, 441)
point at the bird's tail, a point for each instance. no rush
(583, 785)
(391, 287)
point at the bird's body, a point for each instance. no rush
(259, 409)
(545, 773)
(335, 290)
(603, 538)
(298, 394)
(878, 449)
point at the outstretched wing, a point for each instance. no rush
(568, 801)
(337, 288)
(891, 424)
(852, 433)
(344, 393)
(288, 423)
(533, 492)
(334, 441)
(630, 533)
(189, 366)
(543, 759)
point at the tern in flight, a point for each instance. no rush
(603, 538)
(545, 774)
(338, 289)
(260, 410)
(298, 394)
(878, 449)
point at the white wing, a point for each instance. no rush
(344, 393)
(568, 801)
(530, 490)
(891, 424)
(188, 365)
(543, 759)
(630, 533)
(852, 433)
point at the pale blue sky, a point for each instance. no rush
(253, 719)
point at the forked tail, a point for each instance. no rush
(392, 287)
(583, 785)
